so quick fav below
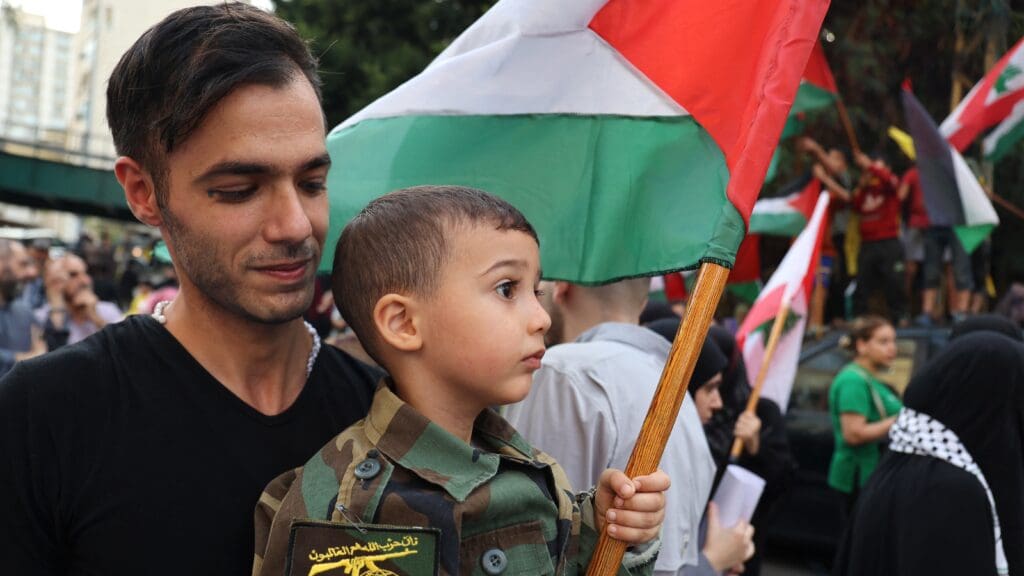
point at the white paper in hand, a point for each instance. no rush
(737, 495)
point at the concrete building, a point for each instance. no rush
(35, 71)
(109, 28)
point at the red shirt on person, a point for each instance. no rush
(878, 205)
(918, 213)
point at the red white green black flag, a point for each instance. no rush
(633, 135)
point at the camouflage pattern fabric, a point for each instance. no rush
(396, 468)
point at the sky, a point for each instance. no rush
(60, 14)
(66, 14)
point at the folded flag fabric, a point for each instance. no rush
(1002, 139)
(990, 101)
(904, 141)
(633, 135)
(745, 277)
(791, 286)
(786, 215)
(952, 195)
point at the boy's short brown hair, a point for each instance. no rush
(399, 244)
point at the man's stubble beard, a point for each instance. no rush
(196, 257)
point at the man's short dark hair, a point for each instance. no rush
(399, 243)
(179, 69)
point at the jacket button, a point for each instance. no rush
(367, 469)
(494, 561)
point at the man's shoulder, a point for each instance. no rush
(76, 373)
(80, 361)
(592, 352)
(599, 357)
(338, 362)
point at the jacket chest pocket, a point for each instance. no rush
(517, 549)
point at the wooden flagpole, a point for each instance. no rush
(762, 373)
(1009, 206)
(847, 125)
(667, 399)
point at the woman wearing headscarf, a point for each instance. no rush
(768, 455)
(949, 496)
(862, 407)
(722, 548)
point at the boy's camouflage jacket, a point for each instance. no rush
(501, 508)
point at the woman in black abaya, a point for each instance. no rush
(948, 498)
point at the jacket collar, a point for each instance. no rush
(629, 334)
(415, 443)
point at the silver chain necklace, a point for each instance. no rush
(158, 315)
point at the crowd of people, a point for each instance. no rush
(882, 255)
(219, 432)
(50, 302)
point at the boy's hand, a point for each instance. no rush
(632, 509)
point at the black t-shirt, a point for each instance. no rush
(122, 455)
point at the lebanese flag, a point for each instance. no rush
(786, 215)
(1002, 139)
(989, 102)
(952, 195)
(791, 283)
(634, 135)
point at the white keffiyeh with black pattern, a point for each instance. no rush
(917, 433)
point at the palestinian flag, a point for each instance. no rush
(952, 194)
(989, 102)
(745, 277)
(1000, 141)
(817, 90)
(791, 284)
(634, 135)
(786, 215)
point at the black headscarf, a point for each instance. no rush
(976, 388)
(656, 310)
(986, 323)
(914, 507)
(710, 362)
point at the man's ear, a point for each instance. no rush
(139, 190)
(561, 292)
(395, 319)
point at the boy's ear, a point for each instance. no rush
(395, 319)
(139, 190)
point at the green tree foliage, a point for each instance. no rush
(367, 48)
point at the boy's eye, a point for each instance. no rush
(506, 289)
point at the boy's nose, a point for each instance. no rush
(540, 321)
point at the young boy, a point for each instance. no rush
(439, 283)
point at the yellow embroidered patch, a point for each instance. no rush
(367, 550)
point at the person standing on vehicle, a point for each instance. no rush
(862, 407)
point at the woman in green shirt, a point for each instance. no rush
(862, 408)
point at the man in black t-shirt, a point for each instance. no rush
(143, 449)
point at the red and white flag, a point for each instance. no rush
(790, 285)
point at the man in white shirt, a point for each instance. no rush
(592, 392)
